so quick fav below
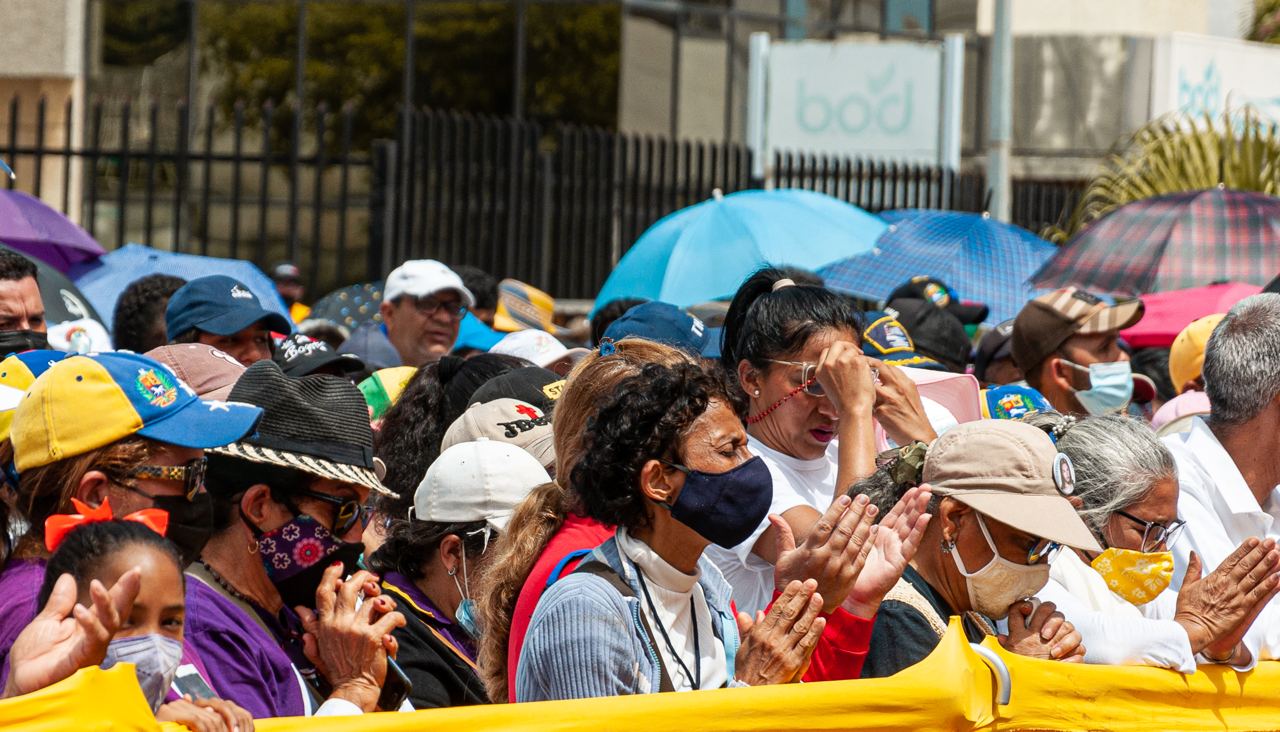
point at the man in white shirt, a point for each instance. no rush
(1229, 465)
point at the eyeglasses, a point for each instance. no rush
(1155, 533)
(190, 474)
(349, 512)
(430, 306)
(1043, 550)
(808, 376)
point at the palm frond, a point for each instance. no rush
(1180, 152)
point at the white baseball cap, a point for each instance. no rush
(422, 277)
(506, 420)
(538, 347)
(481, 480)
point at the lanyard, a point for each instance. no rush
(695, 679)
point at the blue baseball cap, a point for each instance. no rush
(219, 305)
(661, 322)
(473, 333)
(885, 338)
(82, 403)
(1013, 401)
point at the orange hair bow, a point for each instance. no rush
(57, 527)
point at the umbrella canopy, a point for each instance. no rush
(1171, 243)
(705, 251)
(350, 306)
(62, 300)
(103, 281)
(978, 257)
(32, 227)
(1167, 313)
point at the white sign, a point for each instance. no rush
(879, 99)
(1199, 74)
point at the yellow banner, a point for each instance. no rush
(954, 689)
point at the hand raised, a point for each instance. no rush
(66, 636)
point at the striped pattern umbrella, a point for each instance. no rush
(1172, 243)
(980, 259)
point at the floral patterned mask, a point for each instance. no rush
(296, 555)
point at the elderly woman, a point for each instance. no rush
(998, 513)
(1127, 488)
(808, 397)
(666, 461)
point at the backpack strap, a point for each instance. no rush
(558, 570)
(610, 575)
(906, 594)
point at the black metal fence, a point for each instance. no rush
(556, 207)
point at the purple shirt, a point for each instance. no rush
(19, 588)
(246, 664)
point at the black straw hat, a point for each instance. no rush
(316, 424)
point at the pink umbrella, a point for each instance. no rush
(1170, 311)
(32, 227)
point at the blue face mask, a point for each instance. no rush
(724, 508)
(1110, 387)
(465, 615)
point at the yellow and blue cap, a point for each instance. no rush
(17, 372)
(885, 338)
(1012, 401)
(83, 403)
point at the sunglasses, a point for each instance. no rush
(1154, 533)
(808, 376)
(430, 306)
(190, 475)
(350, 511)
(1044, 550)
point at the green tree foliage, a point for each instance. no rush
(137, 32)
(464, 58)
(1264, 25)
(1178, 152)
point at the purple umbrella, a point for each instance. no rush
(32, 227)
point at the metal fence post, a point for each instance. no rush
(547, 179)
(382, 209)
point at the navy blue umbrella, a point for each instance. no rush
(980, 259)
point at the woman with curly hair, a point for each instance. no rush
(549, 525)
(666, 461)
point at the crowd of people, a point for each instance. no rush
(464, 501)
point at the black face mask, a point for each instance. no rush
(18, 341)
(190, 523)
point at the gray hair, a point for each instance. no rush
(1117, 461)
(1242, 360)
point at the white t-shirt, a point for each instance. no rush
(796, 482)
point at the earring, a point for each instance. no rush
(757, 392)
(253, 547)
(453, 571)
(948, 545)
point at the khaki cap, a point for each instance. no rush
(1045, 323)
(1011, 472)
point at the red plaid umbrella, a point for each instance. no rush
(1171, 243)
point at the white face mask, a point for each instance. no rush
(155, 660)
(1000, 583)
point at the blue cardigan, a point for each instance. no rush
(586, 640)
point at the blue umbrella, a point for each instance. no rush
(978, 257)
(103, 281)
(705, 251)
